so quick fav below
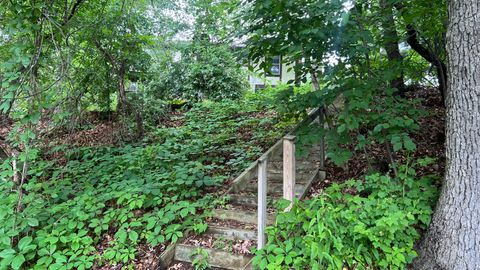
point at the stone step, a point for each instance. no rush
(232, 233)
(252, 199)
(301, 165)
(279, 171)
(245, 216)
(275, 176)
(274, 189)
(215, 257)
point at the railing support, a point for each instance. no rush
(289, 169)
(321, 120)
(262, 202)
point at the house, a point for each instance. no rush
(279, 72)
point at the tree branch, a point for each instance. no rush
(105, 53)
(412, 40)
(74, 9)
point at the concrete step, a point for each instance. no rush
(245, 216)
(215, 258)
(232, 233)
(301, 165)
(251, 199)
(275, 176)
(274, 189)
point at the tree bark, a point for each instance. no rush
(122, 104)
(453, 239)
(390, 41)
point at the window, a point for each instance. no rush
(276, 68)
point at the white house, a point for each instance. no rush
(279, 73)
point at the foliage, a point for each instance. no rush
(327, 37)
(200, 259)
(118, 198)
(60, 58)
(339, 46)
(364, 115)
(205, 71)
(371, 118)
(356, 225)
(203, 67)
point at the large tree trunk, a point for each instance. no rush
(390, 41)
(453, 239)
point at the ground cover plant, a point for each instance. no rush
(370, 224)
(107, 203)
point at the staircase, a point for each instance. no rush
(234, 229)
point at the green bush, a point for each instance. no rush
(371, 224)
(205, 71)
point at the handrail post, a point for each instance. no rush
(321, 120)
(289, 169)
(262, 201)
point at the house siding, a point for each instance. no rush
(286, 74)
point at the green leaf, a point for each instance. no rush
(151, 223)
(7, 253)
(32, 222)
(409, 144)
(18, 261)
(24, 242)
(397, 146)
(121, 235)
(133, 235)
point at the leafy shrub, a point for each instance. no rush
(205, 71)
(371, 224)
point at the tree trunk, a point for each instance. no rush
(453, 239)
(122, 104)
(431, 57)
(390, 41)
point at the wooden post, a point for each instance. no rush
(262, 201)
(321, 120)
(289, 168)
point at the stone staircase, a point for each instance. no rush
(232, 232)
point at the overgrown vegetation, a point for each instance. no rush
(370, 224)
(105, 202)
(165, 76)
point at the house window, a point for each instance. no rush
(276, 68)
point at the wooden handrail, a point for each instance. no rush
(289, 169)
(251, 171)
(258, 169)
(262, 202)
